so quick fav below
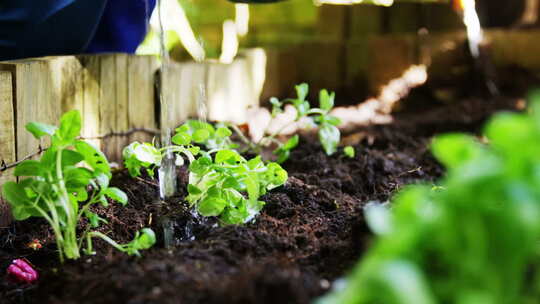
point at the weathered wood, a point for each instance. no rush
(108, 101)
(36, 99)
(256, 60)
(390, 56)
(141, 91)
(91, 97)
(333, 22)
(183, 93)
(281, 73)
(211, 90)
(515, 48)
(118, 95)
(7, 138)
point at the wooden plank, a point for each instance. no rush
(66, 75)
(7, 139)
(36, 99)
(365, 20)
(390, 56)
(282, 73)
(107, 104)
(229, 91)
(256, 60)
(333, 22)
(184, 92)
(91, 98)
(141, 95)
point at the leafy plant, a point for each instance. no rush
(473, 240)
(329, 135)
(146, 155)
(216, 184)
(55, 187)
(203, 133)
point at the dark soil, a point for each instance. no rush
(310, 232)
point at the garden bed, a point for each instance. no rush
(310, 232)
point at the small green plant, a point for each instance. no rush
(146, 155)
(474, 239)
(217, 184)
(349, 152)
(205, 134)
(55, 188)
(329, 135)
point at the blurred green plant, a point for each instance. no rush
(55, 188)
(349, 152)
(475, 239)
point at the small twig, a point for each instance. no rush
(147, 182)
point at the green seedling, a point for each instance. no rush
(56, 186)
(284, 150)
(329, 135)
(203, 133)
(349, 152)
(219, 178)
(138, 156)
(473, 239)
(217, 186)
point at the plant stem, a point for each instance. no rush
(71, 249)
(106, 239)
(243, 138)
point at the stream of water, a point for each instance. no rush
(167, 170)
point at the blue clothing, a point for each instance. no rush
(32, 28)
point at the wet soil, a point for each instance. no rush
(311, 231)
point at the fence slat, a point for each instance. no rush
(141, 72)
(7, 137)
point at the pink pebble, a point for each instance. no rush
(21, 272)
